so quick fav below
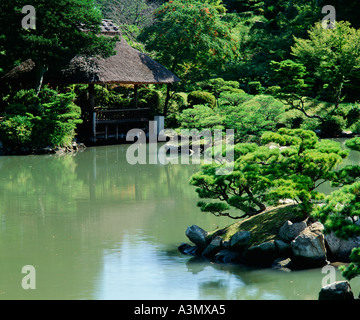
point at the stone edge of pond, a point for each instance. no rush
(277, 238)
(75, 147)
(263, 239)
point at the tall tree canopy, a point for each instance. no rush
(56, 38)
(191, 38)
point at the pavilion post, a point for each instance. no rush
(136, 86)
(92, 115)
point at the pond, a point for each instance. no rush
(95, 227)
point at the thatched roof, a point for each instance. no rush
(23, 73)
(127, 66)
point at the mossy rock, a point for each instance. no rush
(264, 226)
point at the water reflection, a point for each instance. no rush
(96, 227)
(62, 214)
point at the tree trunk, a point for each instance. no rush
(166, 106)
(40, 71)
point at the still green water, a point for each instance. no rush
(95, 227)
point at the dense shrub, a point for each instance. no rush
(353, 116)
(250, 116)
(332, 126)
(150, 98)
(201, 97)
(15, 132)
(200, 117)
(36, 121)
(105, 97)
(255, 87)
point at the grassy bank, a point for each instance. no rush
(263, 227)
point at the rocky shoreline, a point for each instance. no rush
(75, 147)
(295, 245)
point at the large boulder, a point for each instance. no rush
(283, 249)
(340, 290)
(189, 250)
(289, 231)
(240, 241)
(197, 236)
(340, 249)
(263, 254)
(227, 256)
(309, 247)
(213, 248)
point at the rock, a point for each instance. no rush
(240, 240)
(227, 256)
(213, 248)
(317, 226)
(263, 254)
(189, 250)
(197, 236)
(226, 244)
(340, 249)
(340, 290)
(309, 248)
(283, 248)
(286, 201)
(282, 264)
(289, 231)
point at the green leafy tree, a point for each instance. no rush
(262, 175)
(190, 38)
(340, 215)
(57, 37)
(250, 116)
(341, 211)
(330, 55)
(288, 76)
(267, 29)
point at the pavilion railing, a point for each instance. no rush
(108, 122)
(121, 115)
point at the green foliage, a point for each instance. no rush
(150, 98)
(201, 97)
(219, 85)
(341, 211)
(353, 116)
(56, 39)
(15, 132)
(36, 121)
(267, 31)
(263, 175)
(353, 269)
(353, 144)
(200, 117)
(250, 116)
(190, 38)
(332, 126)
(330, 55)
(255, 87)
(289, 76)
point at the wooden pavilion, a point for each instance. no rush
(128, 66)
